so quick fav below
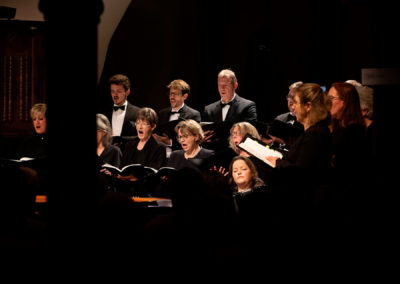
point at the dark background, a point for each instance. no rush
(269, 45)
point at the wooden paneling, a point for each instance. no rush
(22, 75)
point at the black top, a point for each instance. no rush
(312, 150)
(112, 155)
(177, 159)
(303, 172)
(35, 146)
(152, 155)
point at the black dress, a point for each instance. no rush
(178, 161)
(300, 179)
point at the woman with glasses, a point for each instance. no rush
(144, 149)
(349, 146)
(192, 155)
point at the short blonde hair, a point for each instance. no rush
(38, 108)
(192, 127)
(244, 128)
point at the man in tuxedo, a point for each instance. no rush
(230, 108)
(287, 117)
(179, 91)
(123, 115)
(290, 117)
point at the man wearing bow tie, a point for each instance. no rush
(287, 117)
(179, 91)
(231, 107)
(123, 115)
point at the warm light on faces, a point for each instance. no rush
(299, 110)
(144, 129)
(241, 174)
(337, 103)
(99, 136)
(39, 123)
(226, 89)
(187, 140)
(176, 98)
(236, 135)
(290, 101)
(119, 94)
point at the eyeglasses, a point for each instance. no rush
(184, 136)
(236, 133)
(143, 123)
(333, 98)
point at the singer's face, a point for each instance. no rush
(39, 123)
(226, 89)
(241, 174)
(176, 98)
(144, 129)
(337, 102)
(119, 94)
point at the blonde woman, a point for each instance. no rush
(189, 135)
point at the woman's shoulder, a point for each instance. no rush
(206, 151)
(112, 148)
(177, 153)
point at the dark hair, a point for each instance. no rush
(255, 181)
(119, 79)
(148, 114)
(351, 112)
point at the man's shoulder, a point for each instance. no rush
(244, 100)
(164, 110)
(282, 117)
(212, 105)
(132, 106)
(190, 109)
(191, 113)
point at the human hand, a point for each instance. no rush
(163, 138)
(130, 177)
(221, 170)
(209, 135)
(272, 160)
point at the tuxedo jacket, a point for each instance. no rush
(186, 113)
(241, 109)
(128, 128)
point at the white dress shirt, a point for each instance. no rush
(118, 120)
(225, 109)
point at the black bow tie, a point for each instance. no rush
(291, 117)
(119, 107)
(174, 112)
(225, 104)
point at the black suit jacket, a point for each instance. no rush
(128, 128)
(186, 113)
(241, 110)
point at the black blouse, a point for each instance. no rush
(152, 155)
